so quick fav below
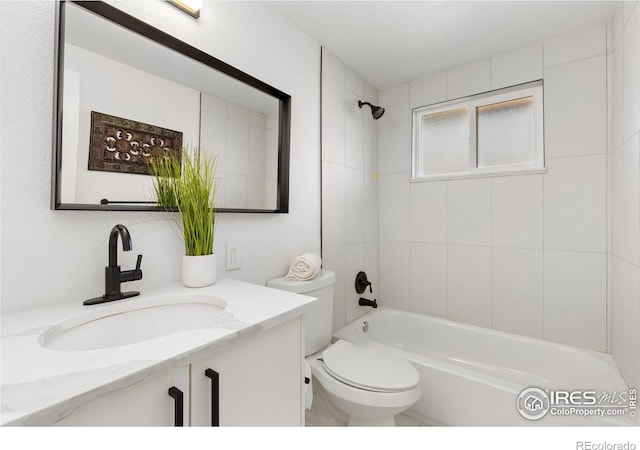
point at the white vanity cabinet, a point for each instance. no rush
(260, 381)
(259, 384)
(146, 403)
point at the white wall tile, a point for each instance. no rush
(333, 205)
(516, 211)
(615, 194)
(469, 211)
(575, 107)
(372, 266)
(354, 83)
(213, 136)
(370, 93)
(575, 46)
(350, 195)
(395, 275)
(609, 95)
(516, 291)
(468, 80)
(631, 77)
(237, 148)
(214, 105)
(394, 139)
(370, 207)
(355, 206)
(371, 146)
(394, 95)
(574, 299)
(429, 279)
(429, 212)
(428, 90)
(469, 284)
(335, 259)
(626, 319)
(355, 263)
(628, 8)
(630, 202)
(334, 108)
(256, 192)
(238, 113)
(257, 141)
(236, 191)
(515, 67)
(618, 24)
(354, 133)
(333, 67)
(575, 204)
(616, 124)
(394, 204)
(257, 119)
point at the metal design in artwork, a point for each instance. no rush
(126, 146)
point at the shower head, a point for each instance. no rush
(376, 111)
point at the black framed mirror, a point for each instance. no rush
(127, 90)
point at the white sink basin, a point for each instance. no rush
(131, 322)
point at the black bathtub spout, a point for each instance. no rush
(367, 302)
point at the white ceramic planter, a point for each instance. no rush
(199, 271)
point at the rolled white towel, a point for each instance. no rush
(305, 267)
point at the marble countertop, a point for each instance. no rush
(39, 385)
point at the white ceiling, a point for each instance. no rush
(390, 42)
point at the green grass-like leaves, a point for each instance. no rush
(190, 187)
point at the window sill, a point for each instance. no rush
(478, 174)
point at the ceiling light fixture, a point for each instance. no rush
(191, 7)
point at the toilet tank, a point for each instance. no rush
(318, 321)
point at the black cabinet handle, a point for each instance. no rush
(178, 396)
(215, 396)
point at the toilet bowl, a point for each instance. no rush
(367, 385)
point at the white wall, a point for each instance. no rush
(56, 256)
(349, 186)
(624, 162)
(113, 88)
(524, 254)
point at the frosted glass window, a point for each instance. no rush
(445, 141)
(505, 133)
(494, 133)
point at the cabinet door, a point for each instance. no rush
(146, 403)
(260, 380)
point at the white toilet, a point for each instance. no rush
(368, 385)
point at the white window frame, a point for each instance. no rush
(533, 89)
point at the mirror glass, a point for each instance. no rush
(124, 98)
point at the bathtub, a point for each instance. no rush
(473, 376)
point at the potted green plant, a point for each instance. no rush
(189, 186)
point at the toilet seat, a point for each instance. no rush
(369, 368)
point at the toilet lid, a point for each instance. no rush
(369, 368)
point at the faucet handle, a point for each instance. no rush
(139, 262)
(362, 282)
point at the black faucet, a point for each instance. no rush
(362, 282)
(113, 277)
(367, 302)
